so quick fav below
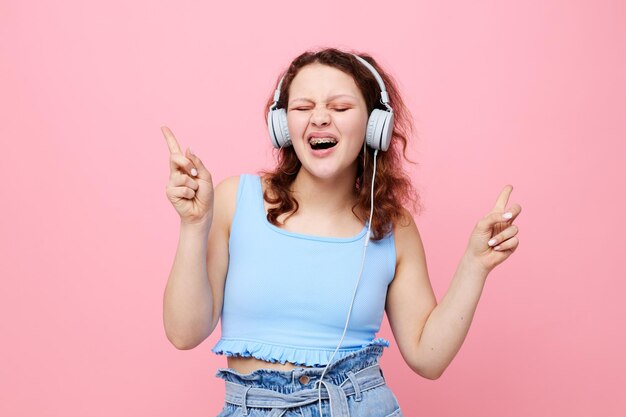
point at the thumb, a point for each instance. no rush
(202, 171)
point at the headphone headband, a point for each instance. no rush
(384, 97)
(383, 91)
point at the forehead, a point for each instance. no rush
(318, 80)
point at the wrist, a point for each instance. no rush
(199, 227)
(474, 266)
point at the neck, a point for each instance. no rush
(325, 195)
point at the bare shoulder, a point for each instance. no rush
(406, 218)
(228, 187)
(225, 200)
(406, 236)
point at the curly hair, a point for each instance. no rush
(392, 188)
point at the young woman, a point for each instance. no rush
(300, 263)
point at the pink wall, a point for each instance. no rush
(527, 93)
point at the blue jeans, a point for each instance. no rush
(353, 386)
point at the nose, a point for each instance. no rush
(320, 116)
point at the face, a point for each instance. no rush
(327, 119)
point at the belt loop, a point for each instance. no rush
(244, 406)
(355, 384)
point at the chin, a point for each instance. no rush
(329, 173)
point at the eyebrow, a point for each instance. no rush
(329, 98)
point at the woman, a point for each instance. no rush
(301, 262)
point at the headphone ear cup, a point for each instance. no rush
(278, 128)
(379, 129)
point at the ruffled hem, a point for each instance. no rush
(276, 353)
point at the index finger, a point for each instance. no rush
(170, 139)
(503, 198)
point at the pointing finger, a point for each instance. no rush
(171, 140)
(503, 198)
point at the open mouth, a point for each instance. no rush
(322, 143)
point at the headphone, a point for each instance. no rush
(379, 123)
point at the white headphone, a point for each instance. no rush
(379, 124)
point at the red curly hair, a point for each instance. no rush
(392, 187)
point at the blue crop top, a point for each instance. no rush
(287, 295)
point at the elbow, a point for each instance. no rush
(428, 372)
(182, 344)
(189, 339)
(431, 375)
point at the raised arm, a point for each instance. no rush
(193, 296)
(429, 335)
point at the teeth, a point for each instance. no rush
(317, 141)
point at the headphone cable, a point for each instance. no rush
(367, 239)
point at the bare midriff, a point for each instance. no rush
(245, 365)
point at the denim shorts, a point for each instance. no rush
(353, 386)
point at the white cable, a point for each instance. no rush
(367, 240)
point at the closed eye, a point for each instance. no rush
(306, 108)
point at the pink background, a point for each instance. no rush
(527, 93)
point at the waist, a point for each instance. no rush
(244, 365)
(283, 390)
(289, 381)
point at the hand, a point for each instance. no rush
(190, 187)
(494, 238)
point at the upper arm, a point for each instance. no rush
(224, 202)
(410, 297)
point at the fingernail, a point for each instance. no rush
(190, 151)
(194, 172)
(497, 248)
(491, 242)
(507, 215)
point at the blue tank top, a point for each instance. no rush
(287, 295)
